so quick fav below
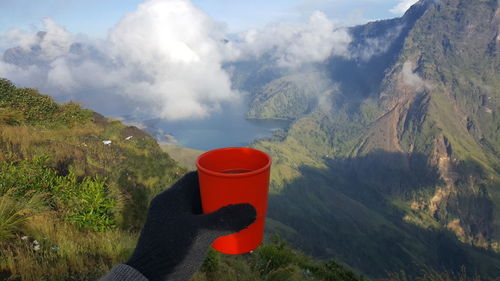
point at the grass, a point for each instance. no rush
(185, 156)
(85, 202)
(14, 213)
(65, 252)
(82, 201)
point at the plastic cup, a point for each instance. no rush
(235, 175)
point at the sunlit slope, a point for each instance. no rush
(75, 182)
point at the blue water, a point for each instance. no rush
(224, 129)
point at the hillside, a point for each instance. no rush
(74, 190)
(395, 152)
(71, 180)
(185, 156)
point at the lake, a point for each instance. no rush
(224, 129)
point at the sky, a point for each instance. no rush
(95, 17)
(166, 58)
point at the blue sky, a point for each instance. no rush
(95, 17)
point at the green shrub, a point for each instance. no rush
(21, 177)
(7, 89)
(273, 256)
(35, 107)
(18, 105)
(71, 113)
(85, 202)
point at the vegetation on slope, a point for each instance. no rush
(71, 181)
(74, 190)
(273, 261)
(185, 156)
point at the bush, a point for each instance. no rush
(35, 107)
(71, 113)
(273, 256)
(83, 202)
(19, 105)
(21, 177)
(86, 203)
(6, 90)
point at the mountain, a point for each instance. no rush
(392, 160)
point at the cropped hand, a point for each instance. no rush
(176, 236)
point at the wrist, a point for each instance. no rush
(150, 266)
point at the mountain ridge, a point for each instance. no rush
(423, 110)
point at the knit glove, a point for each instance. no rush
(176, 236)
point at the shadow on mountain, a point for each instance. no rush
(353, 211)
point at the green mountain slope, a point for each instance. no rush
(71, 181)
(398, 155)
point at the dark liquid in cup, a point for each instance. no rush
(236, 171)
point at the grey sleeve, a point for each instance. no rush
(123, 272)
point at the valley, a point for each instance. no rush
(394, 153)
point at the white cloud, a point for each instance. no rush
(163, 59)
(61, 76)
(293, 45)
(374, 46)
(411, 79)
(20, 38)
(402, 6)
(166, 56)
(56, 42)
(176, 48)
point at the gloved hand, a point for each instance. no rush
(176, 237)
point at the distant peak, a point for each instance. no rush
(418, 9)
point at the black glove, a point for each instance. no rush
(176, 237)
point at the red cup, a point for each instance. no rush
(235, 175)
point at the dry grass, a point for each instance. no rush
(14, 213)
(65, 253)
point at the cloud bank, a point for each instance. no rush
(162, 60)
(166, 56)
(294, 45)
